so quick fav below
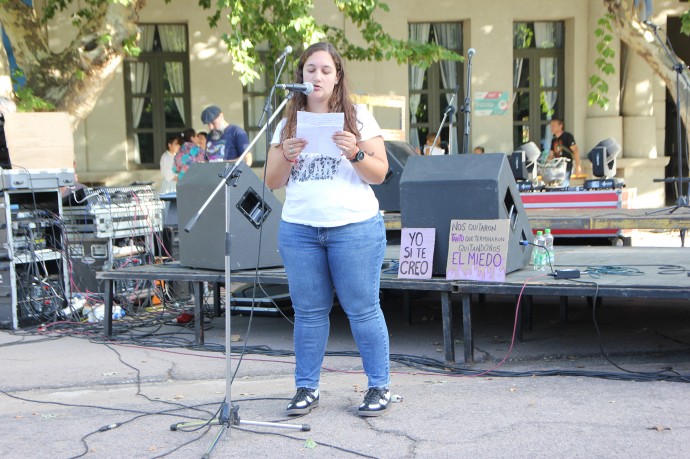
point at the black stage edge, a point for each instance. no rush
(652, 284)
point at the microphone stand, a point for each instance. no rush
(449, 111)
(228, 414)
(467, 106)
(682, 200)
(267, 105)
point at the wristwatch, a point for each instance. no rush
(358, 157)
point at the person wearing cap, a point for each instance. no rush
(233, 140)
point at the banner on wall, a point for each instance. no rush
(490, 103)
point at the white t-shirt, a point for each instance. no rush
(168, 184)
(323, 191)
(434, 150)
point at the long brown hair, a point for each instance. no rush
(340, 100)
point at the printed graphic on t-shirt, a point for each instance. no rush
(317, 168)
(563, 145)
(215, 147)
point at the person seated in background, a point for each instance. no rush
(431, 148)
(478, 150)
(188, 153)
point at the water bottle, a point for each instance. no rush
(541, 248)
(548, 244)
(118, 312)
(538, 252)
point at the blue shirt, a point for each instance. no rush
(233, 142)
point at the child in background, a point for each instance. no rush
(189, 153)
(433, 149)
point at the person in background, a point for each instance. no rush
(478, 150)
(215, 150)
(332, 234)
(202, 139)
(563, 145)
(431, 149)
(233, 139)
(190, 152)
(7, 106)
(167, 162)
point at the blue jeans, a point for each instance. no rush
(348, 258)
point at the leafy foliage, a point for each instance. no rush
(604, 62)
(26, 100)
(268, 25)
(685, 23)
(88, 10)
(524, 36)
(259, 30)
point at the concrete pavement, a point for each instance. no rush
(60, 390)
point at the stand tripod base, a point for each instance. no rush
(229, 416)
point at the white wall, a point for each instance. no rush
(488, 29)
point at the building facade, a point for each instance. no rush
(532, 61)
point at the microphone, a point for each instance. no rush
(471, 52)
(283, 55)
(306, 88)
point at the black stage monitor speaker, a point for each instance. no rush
(602, 165)
(388, 193)
(437, 189)
(518, 165)
(204, 246)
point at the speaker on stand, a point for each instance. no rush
(437, 189)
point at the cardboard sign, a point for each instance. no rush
(478, 250)
(416, 253)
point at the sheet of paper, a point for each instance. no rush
(317, 129)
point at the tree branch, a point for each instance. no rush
(641, 40)
(29, 42)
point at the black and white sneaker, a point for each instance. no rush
(375, 402)
(304, 400)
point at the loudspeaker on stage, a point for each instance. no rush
(388, 193)
(251, 210)
(437, 189)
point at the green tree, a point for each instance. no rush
(105, 31)
(69, 79)
(620, 20)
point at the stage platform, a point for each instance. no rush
(593, 219)
(626, 272)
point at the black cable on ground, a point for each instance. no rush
(278, 434)
(420, 363)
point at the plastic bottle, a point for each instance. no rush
(548, 244)
(538, 252)
(76, 305)
(118, 312)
